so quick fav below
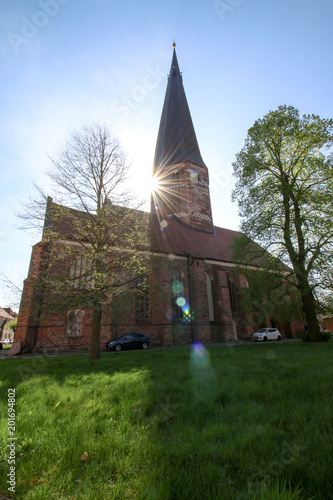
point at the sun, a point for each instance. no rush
(154, 184)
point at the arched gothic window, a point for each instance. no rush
(231, 294)
(142, 297)
(80, 273)
(74, 323)
(210, 296)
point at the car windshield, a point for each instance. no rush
(262, 330)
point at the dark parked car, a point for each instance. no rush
(128, 341)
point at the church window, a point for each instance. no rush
(175, 177)
(232, 294)
(80, 273)
(195, 177)
(209, 280)
(74, 323)
(142, 297)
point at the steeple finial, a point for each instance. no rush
(174, 43)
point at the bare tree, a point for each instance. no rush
(12, 291)
(93, 230)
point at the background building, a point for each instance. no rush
(6, 315)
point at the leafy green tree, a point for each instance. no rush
(93, 236)
(268, 296)
(12, 325)
(284, 189)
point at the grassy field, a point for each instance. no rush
(243, 422)
(6, 346)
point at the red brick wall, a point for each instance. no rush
(28, 318)
(188, 198)
(49, 333)
(328, 323)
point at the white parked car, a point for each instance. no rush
(267, 334)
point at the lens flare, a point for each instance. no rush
(203, 376)
(177, 287)
(169, 314)
(154, 184)
(181, 302)
(186, 308)
(200, 355)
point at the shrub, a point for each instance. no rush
(325, 336)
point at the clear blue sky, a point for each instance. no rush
(65, 63)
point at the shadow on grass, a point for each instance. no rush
(174, 424)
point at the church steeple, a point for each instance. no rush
(176, 140)
(179, 170)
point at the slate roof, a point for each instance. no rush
(176, 141)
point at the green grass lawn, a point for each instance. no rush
(244, 422)
(6, 346)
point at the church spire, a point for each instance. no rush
(176, 140)
(182, 177)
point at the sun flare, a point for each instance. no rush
(154, 184)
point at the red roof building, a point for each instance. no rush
(192, 291)
(6, 315)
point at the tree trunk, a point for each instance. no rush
(95, 349)
(309, 307)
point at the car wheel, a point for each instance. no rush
(265, 339)
(118, 347)
(279, 337)
(145, 345)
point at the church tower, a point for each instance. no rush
(180, 174)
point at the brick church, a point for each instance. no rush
(193, 290)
